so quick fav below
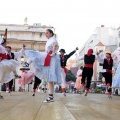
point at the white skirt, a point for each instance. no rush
(6, 70)
(116, 80)
(50, 73)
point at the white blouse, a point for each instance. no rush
(49, 44)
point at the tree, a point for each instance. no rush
(70, 76)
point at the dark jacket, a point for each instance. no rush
(63, 62)
(106, 65)
(12, 56)
(89, 59)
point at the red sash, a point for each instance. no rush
(48, 59)
(88, 65)
(4, 56)
(80, 75)
(109, 71)
(65, 70)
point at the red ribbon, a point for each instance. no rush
(4, 56)
(88, 65)
(109, 71)
(65, 70)
(80, 75)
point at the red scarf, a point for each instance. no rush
(108, 60)
(90, 51)
(62, 57)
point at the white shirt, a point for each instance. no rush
(49, 44)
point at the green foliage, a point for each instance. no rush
(98, 90)
(70, 77)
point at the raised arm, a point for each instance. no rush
(100, 57)
(71, 53)
(20, 53)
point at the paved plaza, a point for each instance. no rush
(23, 106)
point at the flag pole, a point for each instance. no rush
(5, 34)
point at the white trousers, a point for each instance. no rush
(63, 76)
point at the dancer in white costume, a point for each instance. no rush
(7, 67)
(116, 58)
(63, 60)
(46, 65)
(13, 55)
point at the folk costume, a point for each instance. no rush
(87, 73)
(46, 65)
(63, 60)
(107, 70)
(37, 82)
(13, 55)
(7, 67)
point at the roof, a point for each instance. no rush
(100, 44)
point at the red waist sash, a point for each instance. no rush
(109, 71)
(80, 75)
(65, 70)
(88, 65)
(48, 59)
(4, 56)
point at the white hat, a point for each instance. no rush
(1, 40)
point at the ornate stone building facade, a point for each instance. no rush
(31, 35)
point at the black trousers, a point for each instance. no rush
(87, 75)
(108, 78)
(11, 84)
(37, 82)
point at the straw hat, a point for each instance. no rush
(108, 52)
